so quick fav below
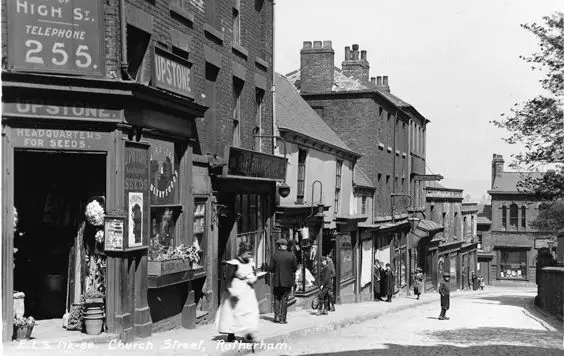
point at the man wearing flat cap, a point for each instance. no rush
(283, 265)
(444, 291)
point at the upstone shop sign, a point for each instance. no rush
(64, 36)
(255, 164)
(171, 73)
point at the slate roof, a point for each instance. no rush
(508, 181)
(294, 113)
(361, 179)
(429, 225)
(343, 83)
(484, 214)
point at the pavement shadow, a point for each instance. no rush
(497, 335)
(444, 350)
(512, 300)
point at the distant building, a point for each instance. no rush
(513, 242)
(452, 249)
(485, 251)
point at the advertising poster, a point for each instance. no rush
(135, 214)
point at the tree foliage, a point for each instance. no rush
(538, 123)
(550, 218)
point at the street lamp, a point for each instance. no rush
(283, 189)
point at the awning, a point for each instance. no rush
(425, 228)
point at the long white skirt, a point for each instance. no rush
(239, 311)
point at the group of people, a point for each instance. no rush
(384, 282)
(238, 314)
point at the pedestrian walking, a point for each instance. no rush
(444, 291)
(324, 285)
(284, 265)
(389, 283)
(418, 282)
(239, 311)
(482, 282)
(332, 274)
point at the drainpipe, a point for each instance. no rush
(273, 88)
(123, 25)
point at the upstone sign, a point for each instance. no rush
(63, 36)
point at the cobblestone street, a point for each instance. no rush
(480, 324)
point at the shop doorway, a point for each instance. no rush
(51, 190)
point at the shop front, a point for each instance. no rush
(512, 263)
(449, 261)
(246, 195)
(95, 176)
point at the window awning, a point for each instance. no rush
(425, 228)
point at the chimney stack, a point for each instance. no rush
(355, 64)
(317, 67)
(382, 83)
(497, 167)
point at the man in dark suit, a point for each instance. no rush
(284, 265)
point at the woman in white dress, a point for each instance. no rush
(239, 311)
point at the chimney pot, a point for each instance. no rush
(327, 44)
(317, 44)
(373, 80)
(363, 55)
(355, 52)
(378, 80)
(385, 79)
(347, 53)
(307, 44)
(355, 47)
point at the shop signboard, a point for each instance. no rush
(255, 164)
(428, 177)
(59, 139)
(137, 199)
(172, 73)
(540, 243)
(44, 109)
(62, 36)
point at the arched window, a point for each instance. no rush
(523, 217)
(513, 215)
(504, 216)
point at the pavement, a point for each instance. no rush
(205, 340)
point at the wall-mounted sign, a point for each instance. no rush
(39, 108)
(248, 163)
(427, 177)
(65, 36)
(136, 186)
(55, 139)
(114, 231)
(164, 172)
(172, 73)
(540, 243)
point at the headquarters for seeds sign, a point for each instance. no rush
(62, 36)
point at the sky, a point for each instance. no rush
(456, 61)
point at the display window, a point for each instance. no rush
(251, 224)
(513, 264)
(346, 257)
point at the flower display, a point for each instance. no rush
(95, 213)
(99, 236)
(158, 252)
(22, 322)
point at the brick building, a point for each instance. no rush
(387, 131)
(453, 247)
(512, 242)
(154, 113)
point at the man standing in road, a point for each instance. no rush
(284, 265)
(444, 291)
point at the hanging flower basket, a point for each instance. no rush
(95, 213)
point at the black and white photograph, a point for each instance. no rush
(282, 177)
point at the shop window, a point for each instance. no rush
(513, 264)
(199, 227)
(513, 216)
(504, 216)
(251, 224)
(302, 154)
(523, 217)
(259, 98)
(452, 269)
(346, 257)
(363, 204)
(236, 27)
(338, 185)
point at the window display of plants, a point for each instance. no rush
(160, 252)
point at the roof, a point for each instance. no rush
(361, 179)
(343, 83)
(484, 214)
(429, 225)
(435, 185)
(507, 182)
(294, 113)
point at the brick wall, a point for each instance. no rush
(550, 291)
(317, 65)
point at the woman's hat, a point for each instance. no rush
(282, 242)
(446, 275)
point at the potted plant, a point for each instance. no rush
(93, 311)
(23, 327)
(93, 297)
